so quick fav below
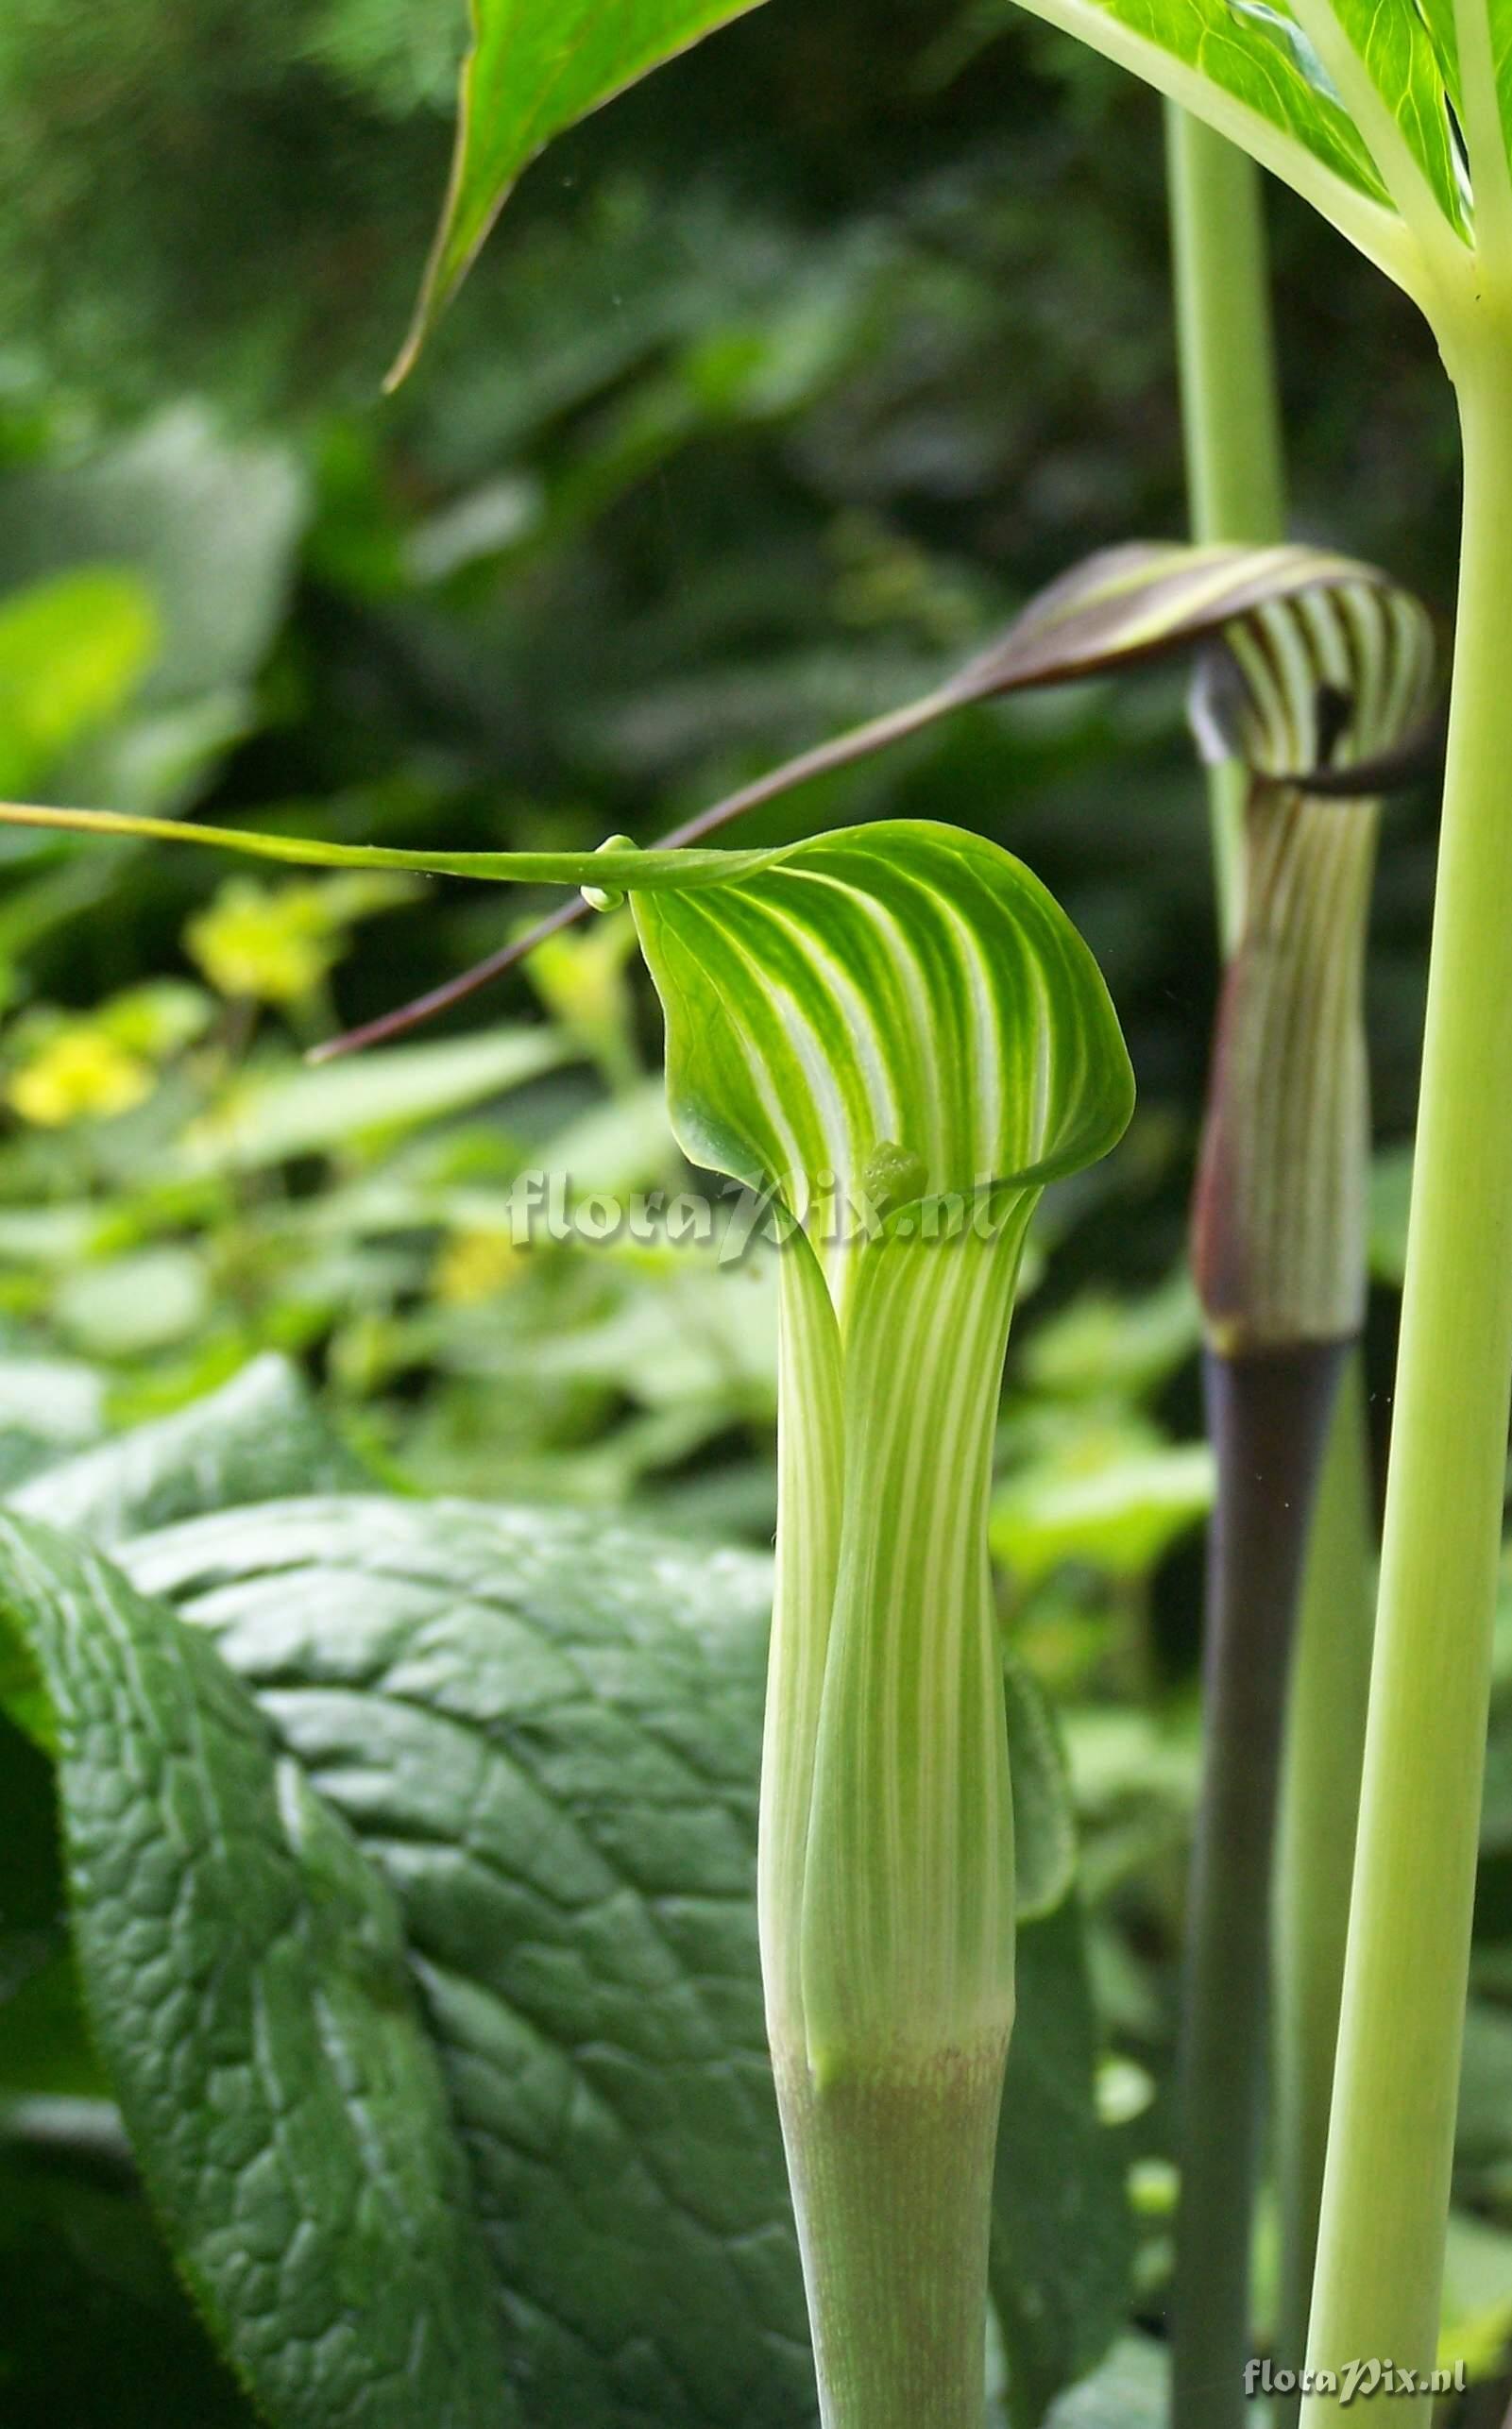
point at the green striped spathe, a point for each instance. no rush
(900, 1032)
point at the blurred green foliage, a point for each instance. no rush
(782, 384)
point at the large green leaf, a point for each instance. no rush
(535, 67)
(1253, 73)
(542, 1736)
(1441, 14)
(245, 1971)
(1349, 100)
(1410, 57)
(258, 1437)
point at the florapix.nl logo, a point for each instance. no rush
(833, 1212)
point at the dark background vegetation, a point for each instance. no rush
(783, 383)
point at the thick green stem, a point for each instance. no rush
(1230, 414)
(892, 2178)
(1314, 1851)
(1268, 1415)
(1390, 2145)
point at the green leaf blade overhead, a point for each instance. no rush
(536, 67)
(1498, 17)
(1411, 59)
(1255, 72)
(1251, 73)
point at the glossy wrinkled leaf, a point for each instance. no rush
(260, 1437)
(536, 67)
(542, 1736)
(543, 1733)
(246, 1977)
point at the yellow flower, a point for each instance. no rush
(79, 1075)
(276, 943)
(273, 945)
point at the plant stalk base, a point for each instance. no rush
(892, 2176)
